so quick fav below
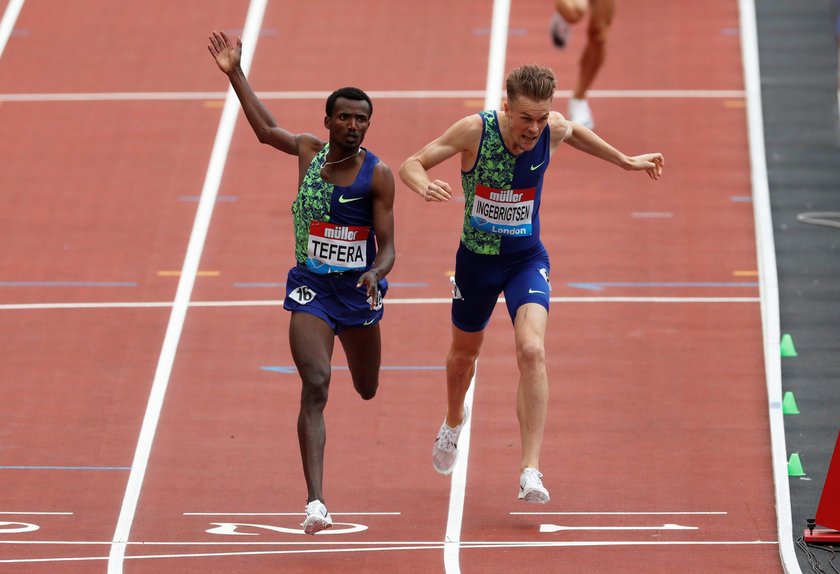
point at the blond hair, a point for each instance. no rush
(532, 81)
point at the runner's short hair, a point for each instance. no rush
(348, 93)
(532, 81)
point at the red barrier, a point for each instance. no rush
(828, 510)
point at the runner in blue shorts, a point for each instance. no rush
(504, 155)
(522, 277)
(343, 217)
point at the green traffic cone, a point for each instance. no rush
(787, 348)
(795, 466)
(789, 404)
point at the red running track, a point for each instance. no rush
(658, 410)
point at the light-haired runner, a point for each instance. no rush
(503, 157)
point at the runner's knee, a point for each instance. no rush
(462, 360)
(598, 32)
(530, 354)
(315, 387)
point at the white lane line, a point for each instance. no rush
(186, 281)
(378, 95)
(457, 492)
(403, 548)
(418, 301)
(559, 528)
(363, 543)
(289, 513)
(768, 282)
(7, 24)
(618, 513)
(9, 513)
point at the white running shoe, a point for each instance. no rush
(559, 30)
(531, 488)
(580, 113)
(317, 517)
(445, 451)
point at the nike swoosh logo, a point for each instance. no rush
(533, 291)
(369, 322)
(533, 167)
(342, 199)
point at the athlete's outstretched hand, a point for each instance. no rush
(652, 163)
(438, 191)
(370, 281)
(223, 50)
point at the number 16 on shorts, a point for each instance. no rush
(302, 294)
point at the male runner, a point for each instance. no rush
(503, 158)
(343, 211)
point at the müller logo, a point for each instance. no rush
(507, 196)
(344, 233)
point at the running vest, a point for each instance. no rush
(333, 224)
(502, 193)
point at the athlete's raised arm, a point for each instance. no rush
(462, 137)
(228, 56)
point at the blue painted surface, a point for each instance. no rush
(601, 286)
(67, 284)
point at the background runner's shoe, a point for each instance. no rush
(445, 451)
(531, 488)
(559, 30)
(317, 517)
(580, 113)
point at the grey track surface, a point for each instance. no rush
(798, 53)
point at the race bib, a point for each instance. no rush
(335, 248)
(302, 294)
(503, 211)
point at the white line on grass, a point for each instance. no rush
(189, 270)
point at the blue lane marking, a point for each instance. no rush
(600, 286)
(288, 370)
(67, 284)
(741, 198)
(65, 468)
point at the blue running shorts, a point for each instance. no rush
(480, 279)
(333, 297)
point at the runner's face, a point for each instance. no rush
(349, 123)
(527, 119)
